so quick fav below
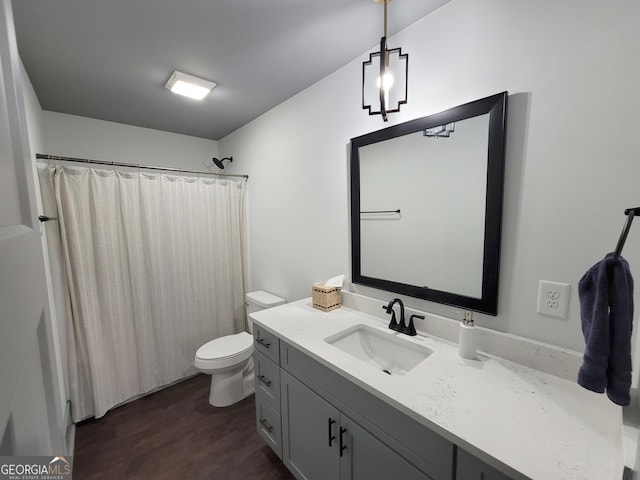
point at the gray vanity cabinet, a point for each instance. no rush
(320, 443)
(471, 468)
(325, 427)
(419, 451)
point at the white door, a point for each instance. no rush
(29, 422)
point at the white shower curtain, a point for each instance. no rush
(154, 269)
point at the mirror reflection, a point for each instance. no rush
(426, 205)
(439, 248)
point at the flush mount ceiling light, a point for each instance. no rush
(384, 77)
(188, 85)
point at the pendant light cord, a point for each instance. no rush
(385, 17)
(386, 53)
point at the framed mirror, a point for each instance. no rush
(426, 206)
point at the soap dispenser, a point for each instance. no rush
(468, 337)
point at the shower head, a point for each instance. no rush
(219, 164)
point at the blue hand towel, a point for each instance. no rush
(606, 310)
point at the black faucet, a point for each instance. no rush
(402, 326)
(393, 325)
(411, 329)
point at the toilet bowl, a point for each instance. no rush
(229, 359)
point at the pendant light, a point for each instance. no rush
(384, 77)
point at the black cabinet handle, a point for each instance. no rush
(263, 343)
(263, 381)
(331, 436)
(266, 425)
(343, 447)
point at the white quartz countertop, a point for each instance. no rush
(513, 417)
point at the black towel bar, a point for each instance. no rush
(382, 211)
(630, 213)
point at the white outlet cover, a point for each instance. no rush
(553, 298)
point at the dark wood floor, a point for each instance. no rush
(176, 434)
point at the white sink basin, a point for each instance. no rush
(386, 351)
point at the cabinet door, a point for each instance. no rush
(471, 468)
(364, 457)
(310, 432)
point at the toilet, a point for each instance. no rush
(229, 359)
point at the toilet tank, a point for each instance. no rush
(260, 300)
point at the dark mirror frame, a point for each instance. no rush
(496, 107)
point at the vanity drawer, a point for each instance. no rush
(268, 423)
(267, 379)
(266, 343)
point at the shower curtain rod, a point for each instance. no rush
(42, 156)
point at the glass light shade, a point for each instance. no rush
(189, 86)
(189, 90)
(386, 82)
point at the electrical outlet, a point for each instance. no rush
(553, 299)
(551, 303)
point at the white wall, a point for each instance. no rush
(572, 151)
(81, 137)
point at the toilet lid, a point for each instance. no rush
(225, 347)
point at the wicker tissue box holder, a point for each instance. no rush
(326, 298)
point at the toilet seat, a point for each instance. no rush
(225, 351)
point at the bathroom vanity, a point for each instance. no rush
(331, 415)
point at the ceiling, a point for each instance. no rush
(110, 59)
